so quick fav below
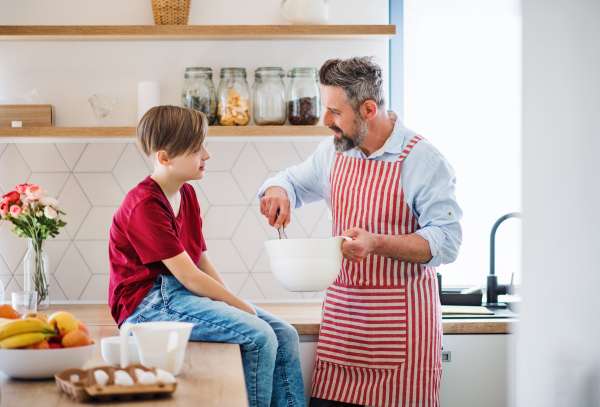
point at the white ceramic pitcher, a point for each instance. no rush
(307, 11)
(160, 344)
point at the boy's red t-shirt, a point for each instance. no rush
(144, 232)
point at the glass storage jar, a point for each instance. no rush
(304, 97)
(233, 98)
(268, 97)
(199, 92)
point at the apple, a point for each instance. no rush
(39, 345)
(76, 338)
(63, 322)
(82, 327)
(38, 315)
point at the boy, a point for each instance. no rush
(160, 270)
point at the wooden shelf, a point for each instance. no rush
(194, 32)
(129, 132)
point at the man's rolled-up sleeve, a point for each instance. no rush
(306, 182)
(432, 189)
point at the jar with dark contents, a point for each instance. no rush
(304, 97)
(199, 92)
(268, 97)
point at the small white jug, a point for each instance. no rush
(307, 11)
(160, 344)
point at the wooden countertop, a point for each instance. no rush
(204, 381)
(305, 317)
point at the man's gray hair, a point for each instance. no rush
(359, 77)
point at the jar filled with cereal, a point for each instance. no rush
(233, 97)
(304, 97)
(199, 92)
(268, 97)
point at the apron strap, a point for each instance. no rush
(409, 147)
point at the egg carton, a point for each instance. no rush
(86, 388)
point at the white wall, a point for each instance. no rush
(92, 179)
(559, 357)
(66, 74)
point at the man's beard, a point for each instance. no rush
(354, 138)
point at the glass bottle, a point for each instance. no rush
(199, 92)
(304, 97)
(233, 98)
(37, 272)
(268, 97)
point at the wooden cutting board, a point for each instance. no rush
(465, 310)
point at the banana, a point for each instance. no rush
(22, 340)
(21, 326)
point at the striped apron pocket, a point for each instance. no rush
(364, 326)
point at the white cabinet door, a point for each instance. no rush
(308, 356)
(479, 372)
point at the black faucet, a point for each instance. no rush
(493, 288)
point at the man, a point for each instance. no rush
(392, 192)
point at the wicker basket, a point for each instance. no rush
(171, 12)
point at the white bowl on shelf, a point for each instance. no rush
(42, 363)
(305, 264)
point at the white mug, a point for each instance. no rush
(161, 344)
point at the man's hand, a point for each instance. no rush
(276, 198)
(410, 247)
(363, 243)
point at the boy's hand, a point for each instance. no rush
(244, 306)
(276, 198)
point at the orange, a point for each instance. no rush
(6, 311)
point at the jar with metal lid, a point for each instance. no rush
(304, 97)
(199, 92)
(268, 97)
(233, 97)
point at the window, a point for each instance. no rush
(462, 91)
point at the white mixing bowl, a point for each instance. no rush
(305, 264)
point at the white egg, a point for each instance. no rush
(139, 372)
(101, 377)
(147, 378)
(123, 378)
(74, 378)
(164, 376)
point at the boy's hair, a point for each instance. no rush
(176, 130)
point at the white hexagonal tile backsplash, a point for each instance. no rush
(91, 180)
(13, 169)
(43, 157)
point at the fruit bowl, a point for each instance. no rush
(42, 363)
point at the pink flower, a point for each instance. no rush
(12, 196)
(15, 211)
(35, 192)
(22, 188)
(3, 208)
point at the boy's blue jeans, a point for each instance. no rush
(270, 346)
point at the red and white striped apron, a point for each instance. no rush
(381, 328)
